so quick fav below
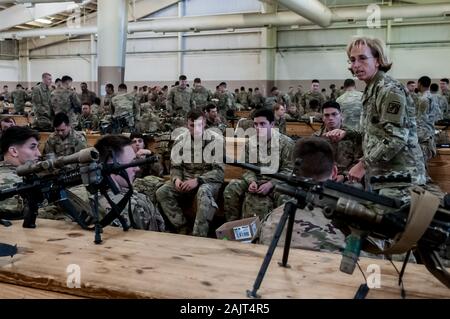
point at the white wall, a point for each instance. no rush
(320, 53)
(9, 70)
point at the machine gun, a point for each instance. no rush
(367, 219)
(48, 180)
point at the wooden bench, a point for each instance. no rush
(21, 120)
(439, 169)
(144, 264)
(302, 129)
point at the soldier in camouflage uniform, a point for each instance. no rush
(292, 113)
(428, 112)
(311, 230)
(298, 98)
(443, 84)
(18, 145)
(40, 98)
(201, 96)
(179, 101)
(144, 214)
(65, 140)
(213, 119)
(243, 98)
(276, 98)
(280, 120)
(255, 189)
(351, 105)
(126, 105)
(87, 120)
(19, 97)
(390, 143)
(347, 151)
(150, 121)
(314, 94)
(226, 100)
(65, 100)
(105, 108)
(86, 96)
(411, 87)
(257, 99)
(442, 101)
(190, 177)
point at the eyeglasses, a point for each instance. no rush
(360, 59)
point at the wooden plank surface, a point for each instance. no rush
(439, 169)
(301, 129)
(20, 120)
(9, 291)
(142, 264)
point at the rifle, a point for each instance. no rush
(49, 179)
(365, 217)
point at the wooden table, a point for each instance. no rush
(302, 129)
(439, 169)
(143, 264)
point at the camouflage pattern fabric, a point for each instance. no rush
(74, 142)
(280, 124)
(65, 101)
(311, 231)
(19, 97)
(145, 214)
(351, 107)
(126, 104)
(87, 97)
(40, 98)
(87, 122)
(308, 96)
(212, 175)
(171, 200)
(148, 186)
(347, 152)
(243, 99)
(390, 143)
(428, 112)
(179, 101)
(9, 177)
(236, 190)
(226, 102)
(200, 97)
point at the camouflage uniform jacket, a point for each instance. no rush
(226, 102)
(105, 108)
(390, 142)
(283, 158)
(347, 152)
(428, 111)
(219, 124)
(87, 97)
(243, 98)
(145, 214)
(40, 98)
(9, 177)
(65, 101)
(281, 125)
(443, 104)
(312, 231)
(19, 97)
(179, 100)
(89, 122)
(74, 142)
(126, 103)
(308, 96)
(208, 172)
(200, 97)
(351, 106)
